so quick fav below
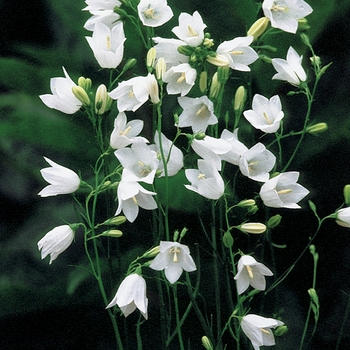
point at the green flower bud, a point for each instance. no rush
(183, 232)
(218, 60)
(303, 24)
(265, 58)
(85, 83)
(112, 233)
(200, 136)
(81, 95)
(227, 239)
(317, 128)
(214, 87)
(160, 68)
(347, 194)
(208, 42)
(185, 50)
(206, 343)
(116, 220)
(274, 221)
(258, 27)
(253, 227)
(129, 64)
(253, 209)
(151, 57)
(151, 253)
(313, 295)
(223, 74)
(246, 203)
(281, 330)
(203, 80)
(240, 99)
(102, 100)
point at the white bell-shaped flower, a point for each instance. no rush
(180, 79)
(154, 13)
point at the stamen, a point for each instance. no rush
(267, 118)
(201, 176)
(275, 7)
(264, 331)
(135, 200)
(175, 251)
(181, 79)
(236, 52)
(131, 94)
(250, 272)
(108, 43)
(285, 191)
(191, 31)
(126, 131)
(202, 111)
(149, 13)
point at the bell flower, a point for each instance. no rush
(197, 113)
(206, 181)
(258, 330)
(289, 70)
(167, 48)
(62, 97)
(284, 14)
(154, 13)
(130, 295)
(62, 180)
(250, 272)
(180, 79)
(107, 17)
(140, 162)
(173, 257)
(131, 196)
(257, 162)
(237, 147)
(133, 93)
(55, 242)
(283, 191)
(238, 53)
(125, 133)
(343, 217)
(94, 5)
(173, 155)
(190, 29)
(266, 114)
(107, 44)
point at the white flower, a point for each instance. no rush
(266, 114)
(282, 191)
(131, 196)
(62, 97)
(211, 149)
(172, 154)
(133, 93)
(107, 44)
(284, 14)
(125, 133)
(237, 147)
(206, 181)
(173, 257)
(343, 217)
(154, 13)
(238, 53)
(130, 295)
(107, 17)
(140, 162)
(167, 48)
(55, 242)
(180, 79)
(190, 29)
(94, 5)
(291, 69)
(197, 113)
(257, 329)
(250, 272)
(62, 180)
(257, 162)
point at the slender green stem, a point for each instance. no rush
(177, 316)
(343, 324)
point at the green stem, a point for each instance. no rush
(346, 314)
(177, 316)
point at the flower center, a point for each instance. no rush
(144, 169)
(263, 330)
(175, 251)
(202, 111)
(201, 176)
(286, 191)
(108, 43)
(131, 94)
(250, 272)
(236, 52)
(181, 79)
(268, 120)
(149, 13)
(125, 132)
(191, 31)
(276, 8)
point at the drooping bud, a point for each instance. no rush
(317, 128)
(346, 192)
(246, 203)
(151, 57)
(112, 233)
(214, 87)
(81, 95)
(102, 100)
(258, 27)
(115, 221)
(203, 79)
(274, 221)
(227, 239)
(160, 68)
(252, 227)
(207, 343)
(240, 99)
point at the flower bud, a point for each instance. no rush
(223, 74)
(274, 221)
(206, 343)
(151, 57)
(253, 227)
(265, 58)
(303, 24)
(281, 330)
(253, 209)
(116, 220)
(317, 128)
(183, 232)
(102, 100)
(258, 27)
(347, 195)
(316, 61)
(240, 99)
(81, 95)
(200, 136)
(214, 87)
(185, 50)
(203, 79)
(218, 60)
(313, 295)
(246, 203)
(85, 83)
(160, 68)
(151, 253)
(208, 42)
(129, 64)
(227, 239)
(112, 233)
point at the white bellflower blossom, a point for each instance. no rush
(173, 257)
(62, 180)
(154, 13)
(107, 44)
(237, 148)
(250, 272)
(343, 217)
(55, 242)
(62, 97)
(180, 79)
(284, 14)
(130, 295)
(258, 330)
(283, 191)
(289, 70)
(266, 114)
